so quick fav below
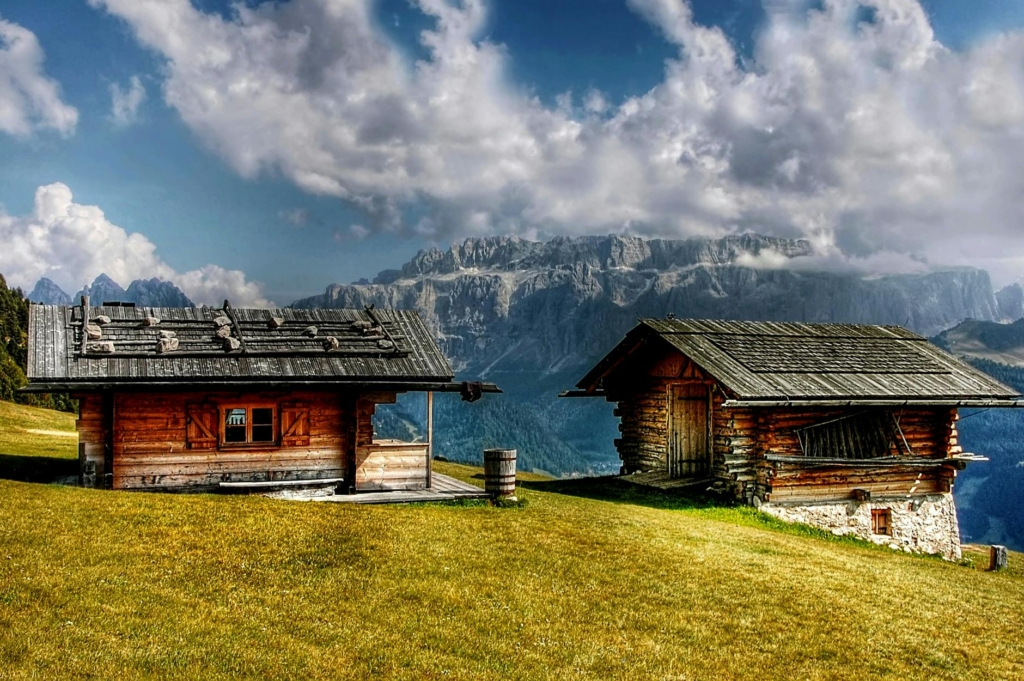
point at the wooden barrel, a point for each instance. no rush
(500, 472)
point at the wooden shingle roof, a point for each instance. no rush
(276, 347)
(791, 363)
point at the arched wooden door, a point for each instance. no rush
(688, 451)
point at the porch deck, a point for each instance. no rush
(663, 481)
(443, 488)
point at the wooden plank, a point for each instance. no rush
(430, 437)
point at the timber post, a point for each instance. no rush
(85, 323)
(500, 473)
(430, 435)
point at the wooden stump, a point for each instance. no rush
(997, 558)
(500, 473)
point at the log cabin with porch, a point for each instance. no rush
(200, 399)
(851, 428)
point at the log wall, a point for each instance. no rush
(643, 413)
(641, 389)
(151, 449)
(928, 433)
(926, 429)
(736, 446)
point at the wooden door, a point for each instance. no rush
(688, 451)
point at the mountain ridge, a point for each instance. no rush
(153, 292)
(504, 302)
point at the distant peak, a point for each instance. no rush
(46, 292)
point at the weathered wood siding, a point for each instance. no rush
(791, 483)
(385, 465)
(151, 449)
(390, 465)
(94, 435)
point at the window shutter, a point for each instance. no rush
(295, 425)
(201, 425)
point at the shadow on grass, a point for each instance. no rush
(616, 490)
(44, 469)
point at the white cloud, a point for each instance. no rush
(296, 217)
(72, 244)
(124, 107)
(876, 264)
(865, 138)
(29, 99)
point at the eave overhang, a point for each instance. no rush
(868, 402)
(439, 385)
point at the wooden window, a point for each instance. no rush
(881, 521)
(248, 425)
(295, 425)
(201, 425)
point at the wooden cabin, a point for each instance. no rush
(200, 399)
(848, 427)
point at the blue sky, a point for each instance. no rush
(161, 175)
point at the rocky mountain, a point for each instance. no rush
(148, 292)
(103, 289)
(156, 293)
(48, 293)
(504, 304)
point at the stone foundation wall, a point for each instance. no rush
(924, 524)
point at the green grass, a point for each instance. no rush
(585, 580)
(36, 445)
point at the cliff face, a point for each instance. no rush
(504, 304)
(510, 254)
(1011, 302)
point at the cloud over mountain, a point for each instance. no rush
(29, 99)
(850, 125)
(72, 244)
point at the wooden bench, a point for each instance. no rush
(310, 487)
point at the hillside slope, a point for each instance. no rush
(986, 340)
(588, 580)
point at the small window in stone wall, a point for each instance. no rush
(881, 521)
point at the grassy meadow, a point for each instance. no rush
(585, 580)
